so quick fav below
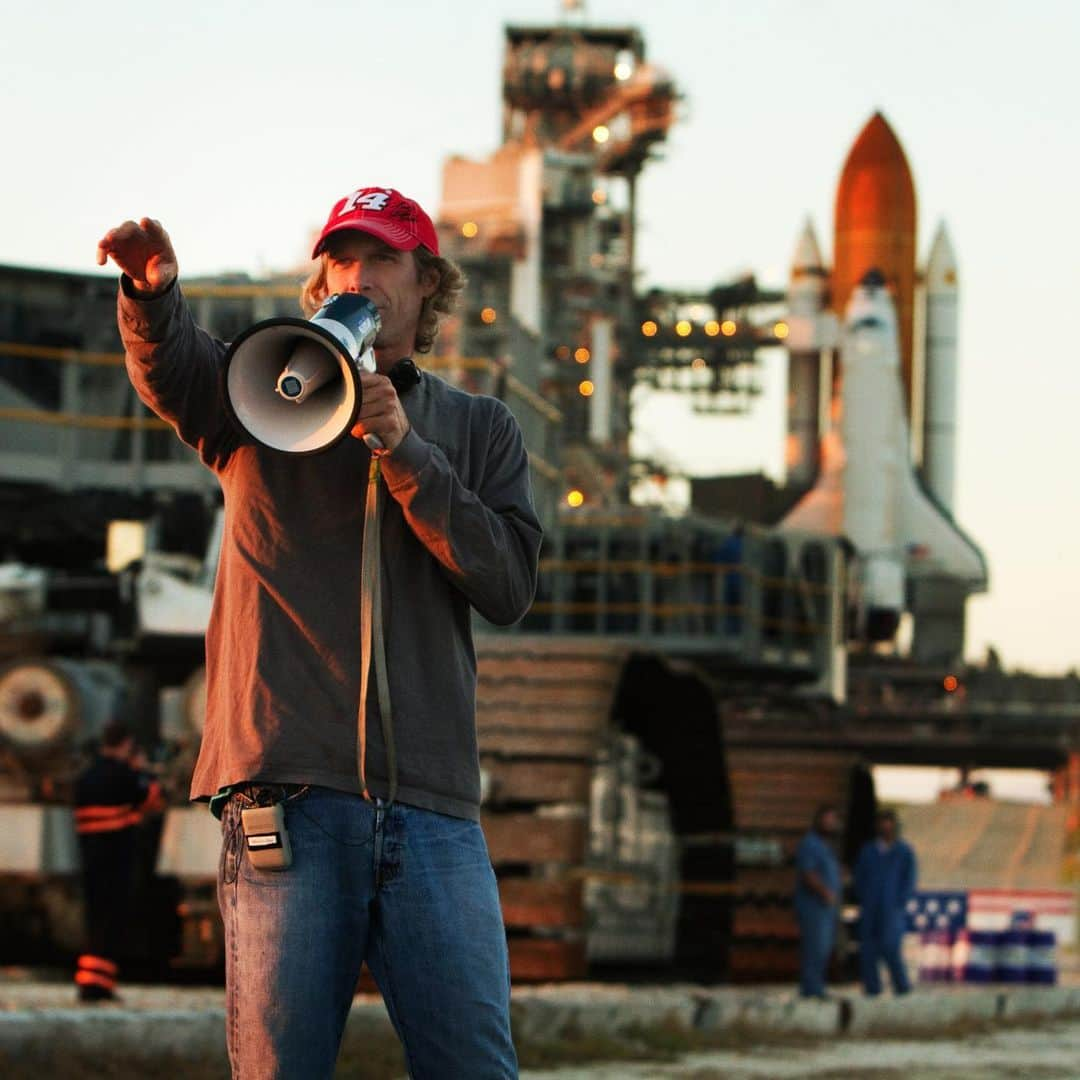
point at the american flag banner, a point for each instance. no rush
(1039, 909)
(937, 910)
(994, 909)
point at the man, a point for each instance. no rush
(405, 886)
(111, 797)
(817, 896)
(884, 882)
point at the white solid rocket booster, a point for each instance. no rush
(939, 413)
(810, 330)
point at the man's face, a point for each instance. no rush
(359, 263)
(886, 829)
(829, 823)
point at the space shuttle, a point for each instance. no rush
(854, 382)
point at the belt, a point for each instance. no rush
(266, 793)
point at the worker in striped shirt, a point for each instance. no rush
(111, 797)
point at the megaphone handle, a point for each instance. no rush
(374, 443)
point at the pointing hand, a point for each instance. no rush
(143, 251)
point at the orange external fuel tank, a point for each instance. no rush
(875, 227)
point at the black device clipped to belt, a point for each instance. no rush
(404, 376)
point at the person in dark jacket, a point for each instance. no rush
(111, 797)
(885, 874)
(817, 898)
(378, 793)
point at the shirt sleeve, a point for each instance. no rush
(176, 369)
(805, 856)
(487, 540)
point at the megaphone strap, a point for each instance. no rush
(382, 679)
(372, 644)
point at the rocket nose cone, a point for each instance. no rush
(941, 273)
(807, 252)
(873, 278)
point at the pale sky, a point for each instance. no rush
(238, 126)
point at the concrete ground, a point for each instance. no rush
(601, 1031)
(1049, 1051)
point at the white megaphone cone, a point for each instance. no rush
(294, 384)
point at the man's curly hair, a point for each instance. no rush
(441, 302)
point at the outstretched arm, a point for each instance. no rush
(174, 366)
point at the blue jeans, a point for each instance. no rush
(409, 891)
(817, 932)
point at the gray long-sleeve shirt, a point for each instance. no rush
(283, 644)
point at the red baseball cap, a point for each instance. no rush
(385, 213)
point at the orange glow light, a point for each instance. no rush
(600, 134)
(698, 363)
(780, 330)
(582, 355)
(649, 328)
(684, 327)
(793, 451)
(488, 315)
(728, 328)
(599, 196)
(585, 388)
(574, 498)
(951, 684)
(712, 328)
(469, 229)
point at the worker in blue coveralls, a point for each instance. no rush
(817, 897)
(885, 874)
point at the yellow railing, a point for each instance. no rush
(801, 628)
(544, 467)
(67, 355)
(63, 354)
(545, 408)
(100, 423)
(672, 570)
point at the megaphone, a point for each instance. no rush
(294, 384)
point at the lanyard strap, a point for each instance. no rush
(372, 644)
